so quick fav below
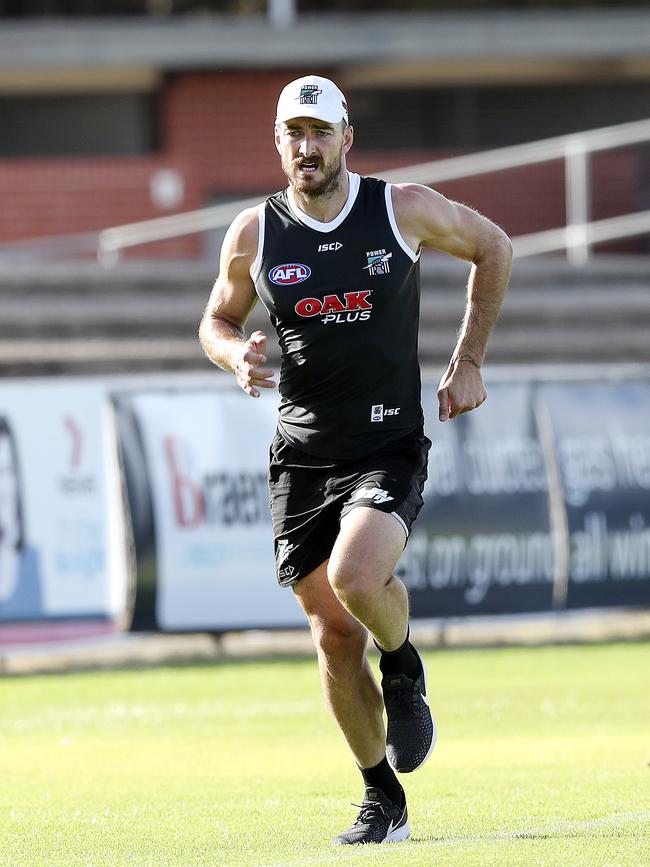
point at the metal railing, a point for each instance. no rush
(576, 237)
(578, 234)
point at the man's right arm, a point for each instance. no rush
(233, 297)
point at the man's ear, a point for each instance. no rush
(276, 137)
(348, 138)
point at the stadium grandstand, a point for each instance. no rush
(115, 114)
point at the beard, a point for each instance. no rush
(308, 187)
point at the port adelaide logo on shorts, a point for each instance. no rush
(284, 549)
(377, 262)
(289, 273)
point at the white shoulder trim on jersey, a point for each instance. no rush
(256, 267)
(412, 254)
(306, 220)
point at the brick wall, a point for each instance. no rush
(224, 125)
(216, 131)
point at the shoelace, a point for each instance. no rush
(402, 701)
(369, 809)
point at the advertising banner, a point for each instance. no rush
(540, 500)
(63, 540)
(206, 453)
(602, 444)
(482, 542)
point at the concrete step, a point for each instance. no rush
(83, 355)
(627, 303)
(145, 316)
(62, 314)
(105, 316)
(169, 278)
(523, 344)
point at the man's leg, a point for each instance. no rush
(360, 571)
(349, 688)
(353, 696)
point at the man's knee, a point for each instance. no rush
(352, 583)
(341, 641)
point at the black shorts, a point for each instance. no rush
(310, 495)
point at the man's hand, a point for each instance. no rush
(461, 389)
(250, 376)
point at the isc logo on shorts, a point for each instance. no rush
(378, 413)
(289, 273)
(377, 495)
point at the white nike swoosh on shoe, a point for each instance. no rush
(424, 699)
(391, 827)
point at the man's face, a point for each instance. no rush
(312, 152)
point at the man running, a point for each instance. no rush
(335, 260)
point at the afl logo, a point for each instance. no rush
(285, 275)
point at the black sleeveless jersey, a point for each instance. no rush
(344, 298)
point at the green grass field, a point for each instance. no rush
(542, 759)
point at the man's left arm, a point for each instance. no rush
(427, 219)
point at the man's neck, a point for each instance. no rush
(325, 208)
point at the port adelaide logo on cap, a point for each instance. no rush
(289, 273)
(309, 94)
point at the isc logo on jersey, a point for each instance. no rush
(345, 307)
(289, 273)
(378, 413)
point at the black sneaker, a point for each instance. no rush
(380, 821)
(411, 732)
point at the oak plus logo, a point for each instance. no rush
(378, 263)
(337, 308)
(309, 94)
(289, 273)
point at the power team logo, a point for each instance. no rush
(289, 274)
(352, 307)
(309, 94)
(377, 262)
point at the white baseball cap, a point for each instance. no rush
(312, 96)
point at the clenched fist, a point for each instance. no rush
(461, 389)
